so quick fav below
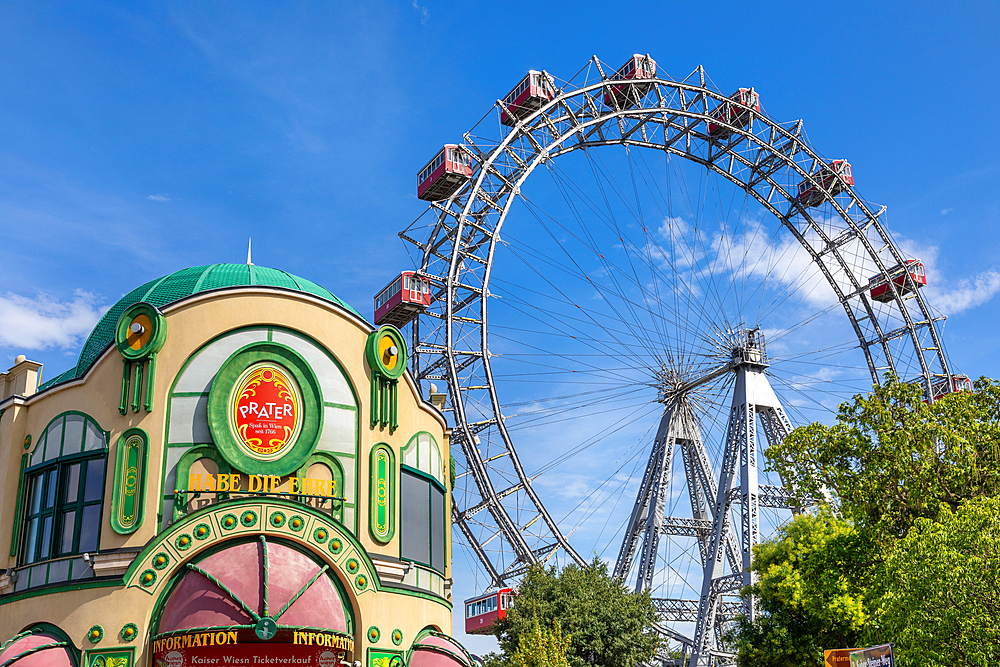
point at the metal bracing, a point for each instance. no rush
(496, 507)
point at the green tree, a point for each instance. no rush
(898, 470)
(891, 458)
(810, 590)
(605, 624)
(543, 648)
(938, 595)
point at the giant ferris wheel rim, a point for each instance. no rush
(769, 153)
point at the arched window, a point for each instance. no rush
(65, 491)
(423, 511)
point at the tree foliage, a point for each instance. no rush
(808, 591)
(604, 624)
(938, 596)
(891, 458)
(910, 549)
(542, 648)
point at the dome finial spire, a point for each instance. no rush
(249, 244)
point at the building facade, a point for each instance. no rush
(238, 471)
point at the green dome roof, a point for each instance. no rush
(183, 284)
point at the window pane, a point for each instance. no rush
(58, 571)
(73, 435)
(53, 439)
(95, 438)
(89, 528)
(414, 519)
(68, 529)
(35, 494)
(71, 491)
(50, 489)
(46, 538)
(437, 530)
(95, 480)
(31, 541)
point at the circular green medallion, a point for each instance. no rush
(265, 409)
(266, 628)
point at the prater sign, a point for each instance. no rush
(266, 410)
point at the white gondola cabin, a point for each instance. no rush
(729, 114)
(532, 93)
(834, 178)
(483, 611)
(445, 174)
(907, 277)
(627, 95)
(402, 299)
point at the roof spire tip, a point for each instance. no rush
(249, 245)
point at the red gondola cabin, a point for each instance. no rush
(834, 177)
(402, 299)
(627, 95)
(532, 93)
(907, 280)
(944, 387)
(733, 115)
(482, 612)
(445, 174)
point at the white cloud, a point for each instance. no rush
(950, 297)
(424, 13)
(42, 322)
(161, 198)
(969, 292)
(946, 211)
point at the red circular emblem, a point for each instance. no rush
(266, 414)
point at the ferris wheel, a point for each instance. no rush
(629, 285)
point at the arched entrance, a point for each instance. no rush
(259, 602)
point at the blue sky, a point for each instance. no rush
(137, 139)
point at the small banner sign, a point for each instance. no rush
(840, 657)
(875, 656)
(229, 647)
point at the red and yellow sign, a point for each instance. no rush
(266, 411)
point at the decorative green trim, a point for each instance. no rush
(148, 578)
(277, 519)
(95, 634)
(183, 542)
(15, 531)
(352, 565)
(220, 397)
(412, 591)
(249, 518)
(397, 637)
(374, 634)
(361, 581)
(161, 560)
(48, 590)
(375, 360)
(320, 535)
(120, 657)
(202, 531)
(386, 368)
(157, 336)
(296, 523)
(129, 632)
(229, 522)
(129, 489)
(336, 546)
(382, 493)
(383, 658)
(27, 438)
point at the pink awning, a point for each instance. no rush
(198, 602)
(37, 650)
(438, 651)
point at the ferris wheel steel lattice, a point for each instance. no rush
(616, 285)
